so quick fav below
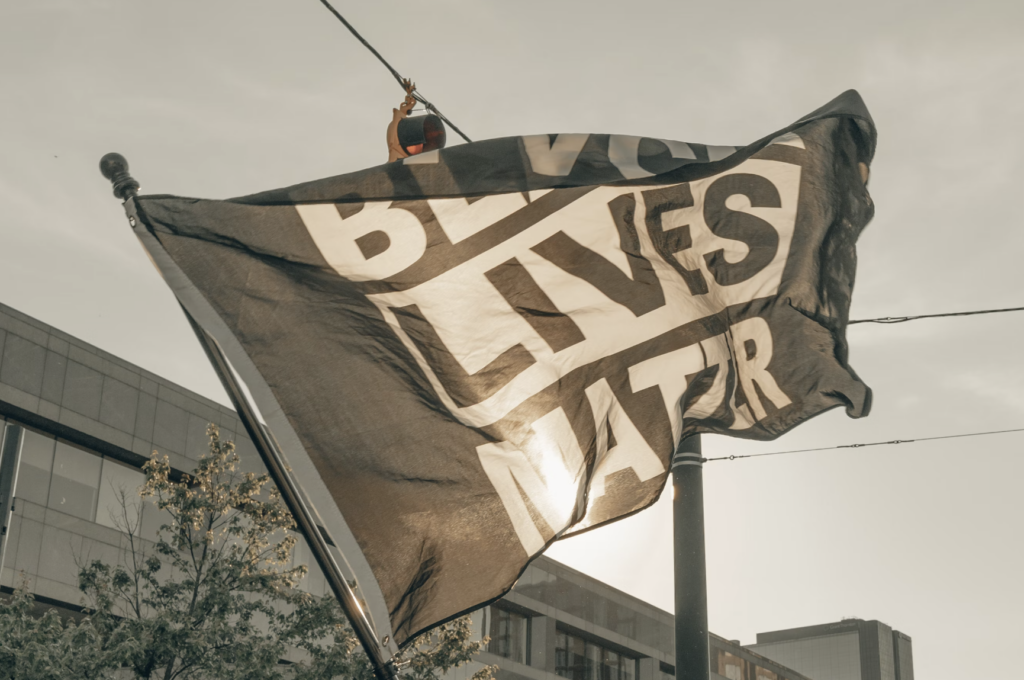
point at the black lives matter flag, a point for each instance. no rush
(470, 353)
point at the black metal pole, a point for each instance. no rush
(692, 658)
(115, 168)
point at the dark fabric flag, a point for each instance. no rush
(468, 354)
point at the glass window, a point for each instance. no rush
(571, 657)
(153, 518)
(302, 555)
(75, 481)
(572, 598)
(120, 506)
(314, 581)
(509, 632)
(615, 666)
(885, 656)
(561, 653)
(730, 666)
(604, 661)
(580, 659)
(627, 667)
(36, 463)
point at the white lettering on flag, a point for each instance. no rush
(553, 159)
(546, 471)
(624, 153)
(377, 242)
(613, 269)
(477, 325)
(631, 450)
(546, 474)
(752, 343)
(668, 371)
(460, 219)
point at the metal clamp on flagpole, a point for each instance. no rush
(683, 457)
(115, 168)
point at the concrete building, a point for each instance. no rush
(559, 623)
(851, 649)
(90, 421)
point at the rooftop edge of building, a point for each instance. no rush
(819, 630)
(749, 655)
(56, 383)
(547, 563)
(42, 333)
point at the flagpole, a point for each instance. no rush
(692, 656)
(115, 168)
(383, 668)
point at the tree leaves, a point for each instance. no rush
(216, 596)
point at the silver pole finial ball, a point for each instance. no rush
(114, 167)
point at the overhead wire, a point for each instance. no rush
(857, 446)
(891, 320)
(398, 76)
(901, 319)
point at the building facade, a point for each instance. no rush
(89, 420)
(559, 623)
(851, 649)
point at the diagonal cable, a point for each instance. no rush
(398, 76)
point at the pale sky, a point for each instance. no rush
(221, 98)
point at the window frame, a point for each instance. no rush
(68, 446)
(524, 646)
(594, 653)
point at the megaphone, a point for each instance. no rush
(421, 133)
